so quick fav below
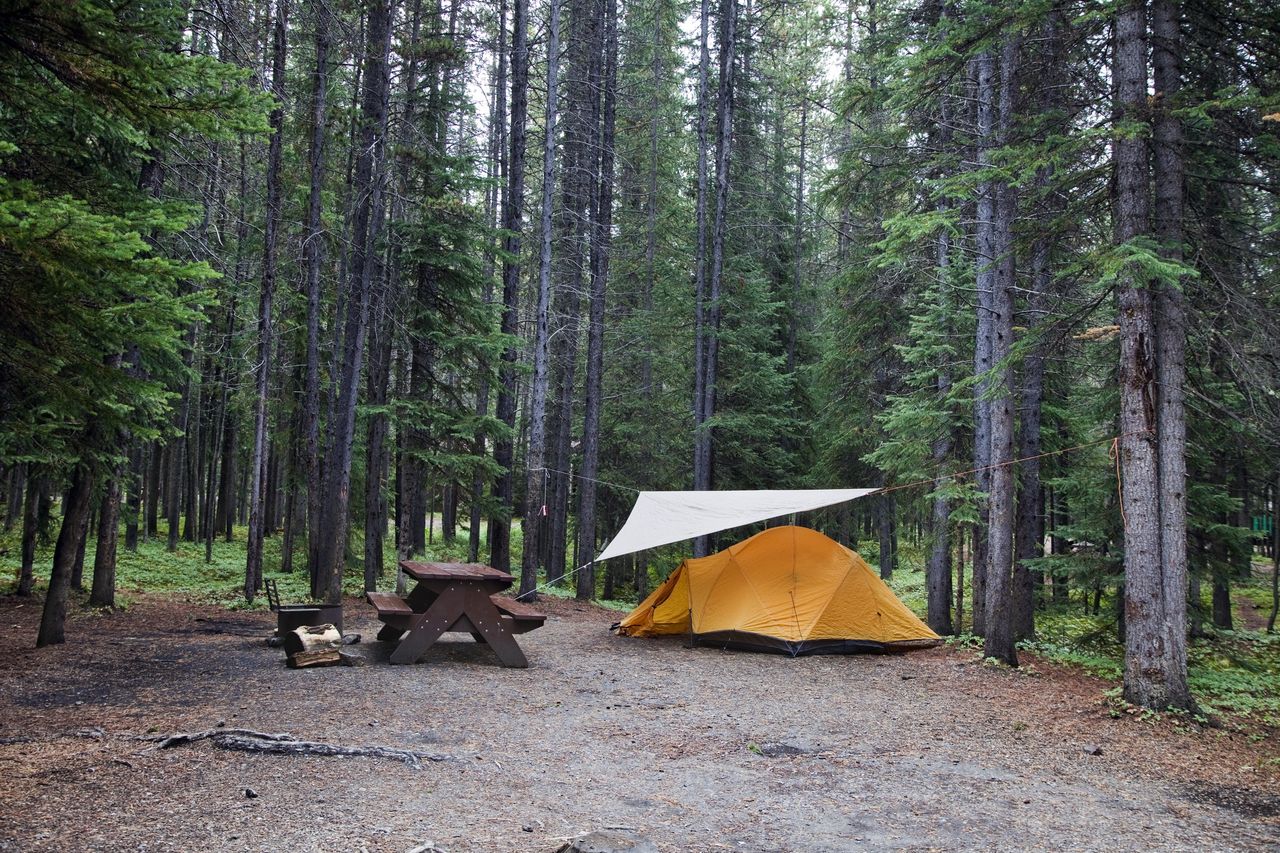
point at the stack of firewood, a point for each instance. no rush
(313, 645)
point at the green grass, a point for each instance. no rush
(184, 572)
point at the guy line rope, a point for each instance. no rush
(1113, 454)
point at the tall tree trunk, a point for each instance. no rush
(103, 592)
(701, 435)
(194, 450)
(600, 248)
(938, 584)
(258, 521)
(417, 440)
(404, 536)
(375, 500)
(535, 509)
(369, 182)
(227, 490)
(1275, 555)
(983, 72)
(17, 488)
(174, 459)
(938, 568)
(1153, 677)
(512, 219)
(30, 527)
(573, 229)
(77, 567)
(215, 495)
(133, 505)
(497, 174)
(1030, 527)
(154, 464)
(705, 463)
(999, 637)
(75, 522)
(313, 257)
(886, 528)
(1171, 333)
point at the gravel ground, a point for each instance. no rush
(698, 749)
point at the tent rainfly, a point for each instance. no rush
(788, 589)
(660, 518)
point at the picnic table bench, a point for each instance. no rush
(461, 597)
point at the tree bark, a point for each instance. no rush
(1171, 332)
(573, 230)
(1030, 526)
(705, 461)
(938, 584)
(999, 636)
(103, 592)
(133, 505)
(77, 566)
(30, 527)
(512, 221)
(536, 458)
(886, 512)
(75, 522)
(258, 521)
(497, 174)
(983, 72)
(1153, 675)
(313, 258)
(601, 244)
(701, 435)
(369, 181)
(13, 500)
(375, 506)
(1275, 556)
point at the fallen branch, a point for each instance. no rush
(304, 747)
(247, 740)
(181, 738)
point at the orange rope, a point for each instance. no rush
(1115, 457)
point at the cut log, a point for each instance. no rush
(315, 657)
(313, 646)
(311, 638)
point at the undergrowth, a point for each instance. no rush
(1232, 674)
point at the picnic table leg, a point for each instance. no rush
(487, 622)
(390, 633)
(428, 627)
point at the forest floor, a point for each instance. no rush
(698, 749)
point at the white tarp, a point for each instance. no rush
(659, 518)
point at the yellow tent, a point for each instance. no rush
(788, 589)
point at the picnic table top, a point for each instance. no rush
(453, 571)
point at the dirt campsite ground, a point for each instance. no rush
(697, 749)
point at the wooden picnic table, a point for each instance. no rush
(454, 597)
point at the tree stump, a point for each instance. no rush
(316, 645)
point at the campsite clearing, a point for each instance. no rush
(699, 749)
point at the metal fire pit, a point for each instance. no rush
(291, 617)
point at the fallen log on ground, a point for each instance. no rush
(247, 740)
